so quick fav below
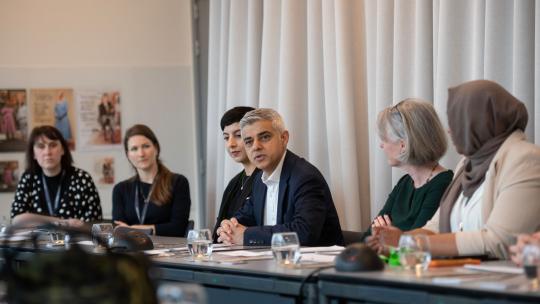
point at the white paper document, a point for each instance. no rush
(303, 250)
(246, 253)
(156, 251)
(165, 250)
(318, 258)
(496, 268)
(86, 243)
(334, 248)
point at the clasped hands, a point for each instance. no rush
(516, 250)
(383, 234)
(231, 232)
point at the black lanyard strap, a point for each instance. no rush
(52, 209)
(145, 208)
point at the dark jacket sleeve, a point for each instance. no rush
(310, 210)
(181, 204)
(245, 215)
(225, 199)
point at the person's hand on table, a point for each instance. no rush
(231, 232)
(516, 250)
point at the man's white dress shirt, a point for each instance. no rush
(272, 193)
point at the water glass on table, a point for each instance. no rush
(531, 263)
(102, 234)
(286, 248)
(199, 243)
(414, 252)
(4, 224)
(56, 238)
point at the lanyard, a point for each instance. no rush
(52, 210)
(145, 208)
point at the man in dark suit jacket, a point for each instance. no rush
(289, 194)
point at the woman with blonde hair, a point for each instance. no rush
(494, 195)
(413, 139)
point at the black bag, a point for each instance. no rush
(76, 276)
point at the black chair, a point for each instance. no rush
(350, 237)
(190, 225)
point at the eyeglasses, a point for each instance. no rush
(396, 108)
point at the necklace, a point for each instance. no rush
(247, 177)
(431, 173)
(427, 179)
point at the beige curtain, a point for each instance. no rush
(330, 66)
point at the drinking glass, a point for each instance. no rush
(414, 252)
(286, 248)
(199, 243)
(56, 238)
(531, 260)
(103, 232)
(4, 224)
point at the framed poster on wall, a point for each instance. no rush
(13, 120)
(99, 117)
(54, 107)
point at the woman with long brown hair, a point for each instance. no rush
(154, 198)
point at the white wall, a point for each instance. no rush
(142, 48)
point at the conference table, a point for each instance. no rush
(440, 285)
(236, 280)
(261, 280)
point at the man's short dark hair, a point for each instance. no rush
(234, 115)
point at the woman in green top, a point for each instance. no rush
(413, 139)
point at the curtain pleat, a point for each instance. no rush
(523, 58)
(329, 67)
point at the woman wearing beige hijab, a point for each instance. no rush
(494, 194)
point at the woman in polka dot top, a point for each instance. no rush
(51, 188)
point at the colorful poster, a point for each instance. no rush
(104, 170)
(9, 175)
(54, 107)
(99, 119)
(13, 120)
